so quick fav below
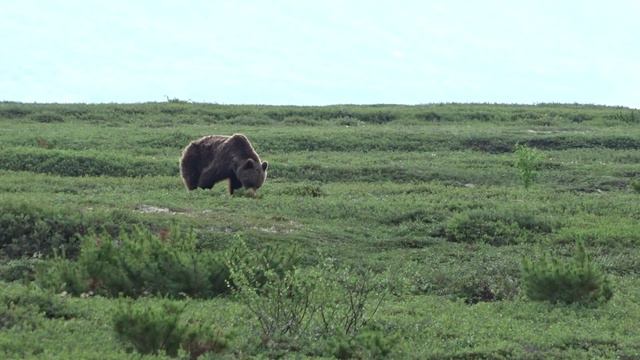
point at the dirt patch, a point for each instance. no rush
(150, 209)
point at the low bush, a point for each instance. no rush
(305, 190)
(12, 315)
(50, 305)
(559, 281)
(27, 306)
(47, 117)
(302, 305)
(369, 344)
(485, 275)
(21, 270)
(527, 162)
(280, 299)
(158, 329)
(138, 263)
(497, 226)
(85, 163)
(29, 229)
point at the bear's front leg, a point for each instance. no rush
(234, 184)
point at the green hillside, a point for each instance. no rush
(382, 231)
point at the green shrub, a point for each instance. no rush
(280, 299)
(305, 190)
(369, 344)
(150, 329)
(23, 270)
(44, 302)
(85, 163)
(29, 229)
(12, 315)
(527, 161)
(156, 329)
(487, 275)
(47, 117)
(251, 120)
(14, 111)
(138, 263)
(292, 304)
(559, 281)
(299, 121)
(629, 117)
(496, 226)
(27, 306)
(635, 185)
(349, 297)
(376, 117)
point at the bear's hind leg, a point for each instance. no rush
(189, 168)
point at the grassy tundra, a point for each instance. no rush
(381, 232)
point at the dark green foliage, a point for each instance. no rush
(50, 305)
(472, 273)
(630, 117)
(29, 229)
(139, 263)
(21, 270)
(14, 111)
(305, 190)
(635, 185)
(87, 163)
(158, 328)
(369, 344)
(12, 315)
(577, 280)
(47, 117)
(175, 139)
(281, 299)
(497, 226)
(151, 330)
(527, 162)
(27, 306)
(302, 304)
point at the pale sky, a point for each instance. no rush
(321, 52)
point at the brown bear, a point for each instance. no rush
(214, 158)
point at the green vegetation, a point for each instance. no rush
(574, 281)
(139, 264)
(382, 232)
(527, 162)
(158, 330)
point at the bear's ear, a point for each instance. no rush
(249, 164)
(265, 165)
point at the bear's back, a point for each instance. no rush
(208, 147)
(239, 146)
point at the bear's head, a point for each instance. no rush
(252, 174)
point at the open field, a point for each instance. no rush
(426, 197)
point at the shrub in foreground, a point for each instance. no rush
(158, 329)
(29, 229)
(295, 306)
(527, 161)
(45, 303)
(575, 281)
(27, 306)
(139, 263)
(496, 226)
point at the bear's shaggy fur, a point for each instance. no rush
(214, 158)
